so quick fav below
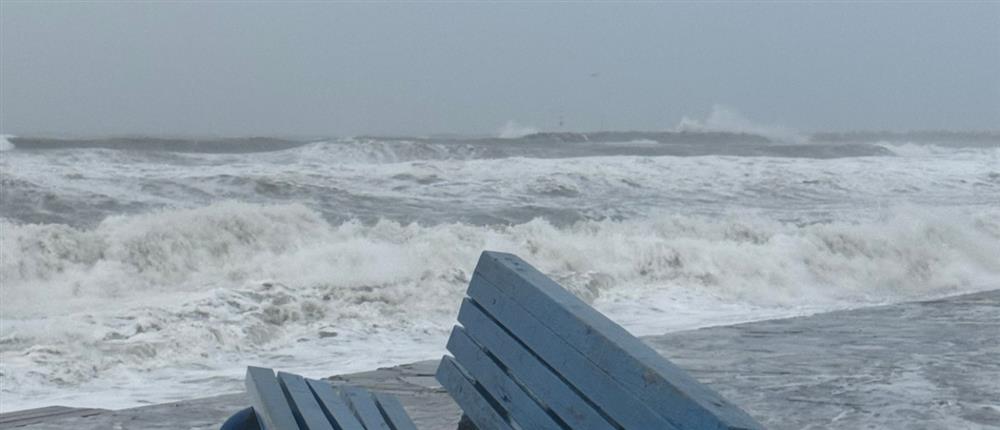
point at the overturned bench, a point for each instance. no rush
(530, 355)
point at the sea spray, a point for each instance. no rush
(513, 130)
(5, 144)
(723, 118)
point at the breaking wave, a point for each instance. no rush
(5, 144)
(207, 290)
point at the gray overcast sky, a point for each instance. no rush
(334, 69)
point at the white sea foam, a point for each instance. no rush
(187, 297)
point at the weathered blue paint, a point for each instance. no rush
(335, 407)
(676, 396)
(291, 402)
(364, 407)
(305, 408)
(621, 406)
(393, 411)
(268, 400)
(475, 403)
(537, 377)
(501, 386)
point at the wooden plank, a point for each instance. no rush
(268, 400)
(364, 407)
(474, 403)
(657, 382)
(539, 379)
(609, 396)
(521, 408)
(305, 407)
(393, 412)
(334, 406)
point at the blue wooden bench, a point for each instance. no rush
(530, 355)
(291, 402)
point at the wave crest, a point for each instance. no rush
(227, 244)
(235, 280)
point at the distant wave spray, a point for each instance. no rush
(726, 119)
(5, 144)
(513, 130)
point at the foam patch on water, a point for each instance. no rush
(185, 298)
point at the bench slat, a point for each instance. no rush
(363, 405)
(502, 388)
(305, 408)
(334, 406)
(394, 412)
(472, 401)
(612, 398)
(539, 379)
(268, 400)
(682, 400)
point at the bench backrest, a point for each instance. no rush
(531, 353)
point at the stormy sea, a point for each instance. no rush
(139, 270)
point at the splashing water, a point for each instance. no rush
(145, 276)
